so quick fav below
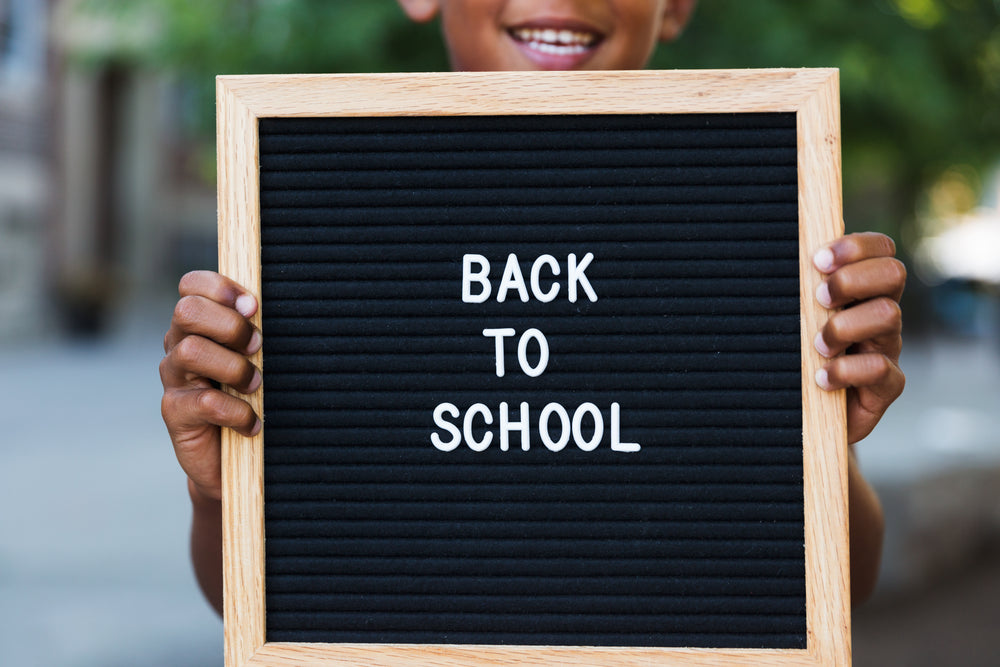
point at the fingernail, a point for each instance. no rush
(823, 379)
(245, 305)
(823, 260)
(257, 427)
(823, 295)
(255, 342)
(821, 345)
(255, 382)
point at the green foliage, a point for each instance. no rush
(920, 79)
(920, 83)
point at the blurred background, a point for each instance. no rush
(107, 165)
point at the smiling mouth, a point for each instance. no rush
(556, 41)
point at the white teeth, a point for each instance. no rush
(550, 38)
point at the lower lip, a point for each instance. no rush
(553, 61)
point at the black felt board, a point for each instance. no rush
(374, 535)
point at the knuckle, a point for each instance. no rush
(187, 311)
(888, 311)
(188, 282)
(208, 403)
(879, 367)
(188, 351)
(898, 272)
(886, 245)
(164, 370)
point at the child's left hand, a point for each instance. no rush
(863, 277)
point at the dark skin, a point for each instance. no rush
(211, 336)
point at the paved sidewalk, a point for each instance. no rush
(93, 531)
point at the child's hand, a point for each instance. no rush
(207, 344)
(865, 279)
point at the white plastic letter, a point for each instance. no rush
(499, 335)
(506, 426)
(470, 440)
(595, 413)
(468, 277)
(536, 268)
(456, 435)
(575, 274)
(616, 427)
(512, 278)
(522, 353)
(543, 427)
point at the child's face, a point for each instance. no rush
(497, 35)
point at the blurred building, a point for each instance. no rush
(129, 213)
(96, 205)
(24, 186)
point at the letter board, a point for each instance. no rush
(535, 381)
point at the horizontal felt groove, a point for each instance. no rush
(540, 604)
(718, 640)
(567, 620)
(518, 549)
(296, 529)
(524, 175)
(726, 577)
(566, 343)
(274, 163)
(603, 253)
(581, 213)
(528, 141)
(526, 233)
(735, 418)
(519, 511)
(475, 192)
(405, 491)
(454, 307)
(779, 462)
(545, 123)
(728, 461)
(599, 324)
(710, 267)
(445, 381)
(744, 399)
(720, 562)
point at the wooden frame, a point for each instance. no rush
(812, 94)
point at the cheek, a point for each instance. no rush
(473, 41)
(635, 42)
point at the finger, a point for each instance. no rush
(220, 289)
(196, 359)
(877, 321)
(201, 316)
(853, 248)
(186, 410)
(867, 279)
(873, 380)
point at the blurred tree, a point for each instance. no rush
(920, 85)
(920, 79)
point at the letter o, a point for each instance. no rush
(595, 413)
(543, 427)
(522, 353)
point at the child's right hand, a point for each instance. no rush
(207, 344)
